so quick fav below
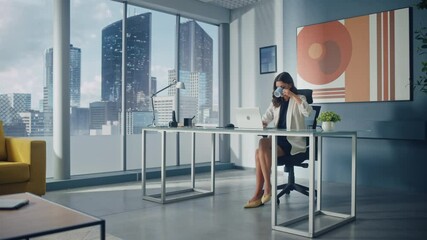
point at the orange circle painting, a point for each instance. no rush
(324, 51)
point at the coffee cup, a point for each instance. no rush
(278, 92)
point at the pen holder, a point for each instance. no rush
(188, 122)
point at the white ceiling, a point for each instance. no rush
(230, 4)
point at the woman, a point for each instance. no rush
(287, 112)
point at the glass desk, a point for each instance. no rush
(315, 211)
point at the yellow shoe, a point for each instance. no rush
(265, 198)
(253, 204)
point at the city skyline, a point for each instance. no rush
(23, 70)
(28, 74)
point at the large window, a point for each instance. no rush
(198, 69)
(25, 35)
(25, 38)
(150, 62)
(95, 86)
(26, 77)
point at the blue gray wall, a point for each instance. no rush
(393, 153)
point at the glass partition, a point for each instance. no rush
(198, 69)
(26, 36)
(95, 86)
(26, 79)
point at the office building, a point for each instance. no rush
(138, 120)
(196, 55)
(164, 105)
(75, 78)
(34, 122)
(79, 121)
(75, 85)
(102, 112)
(12, 104)
(190, 97)
(196, 58)
(153, 85)
(138, 62)
(110, 128)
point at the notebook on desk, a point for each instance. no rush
(249, 118)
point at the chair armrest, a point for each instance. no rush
(32, 152)
(20, 149)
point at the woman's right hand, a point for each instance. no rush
(264, 124)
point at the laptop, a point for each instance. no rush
(249, 118)
(6, 203)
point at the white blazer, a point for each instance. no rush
(294, 120)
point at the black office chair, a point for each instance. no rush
(297, 160)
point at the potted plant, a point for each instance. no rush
(328, 119)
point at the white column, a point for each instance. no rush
(61, 92)
(124, 97)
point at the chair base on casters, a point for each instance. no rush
(291, 185)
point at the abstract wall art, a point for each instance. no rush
(359, 59)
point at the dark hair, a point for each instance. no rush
(284, 77)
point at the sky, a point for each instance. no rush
(26, 32)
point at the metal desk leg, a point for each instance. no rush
(341, 218)
(319, 174)
(311, 188)
(274, 184)
(182, 194)
(143, 164)
(193, 159)
(102, 230)
(163, 167)
(353, 174)
(213, 164)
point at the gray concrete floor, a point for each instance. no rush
(381, 214)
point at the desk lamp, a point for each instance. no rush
(175, 83)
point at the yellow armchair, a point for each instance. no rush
(24, 169)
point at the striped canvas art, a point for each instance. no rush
(359, 59)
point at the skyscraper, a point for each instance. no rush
(75, 76)
(34, 122)
(12, 104)
(102, 112)
(189, 104)
(196, 56)
(138, 50)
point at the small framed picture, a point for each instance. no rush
(267, 59)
